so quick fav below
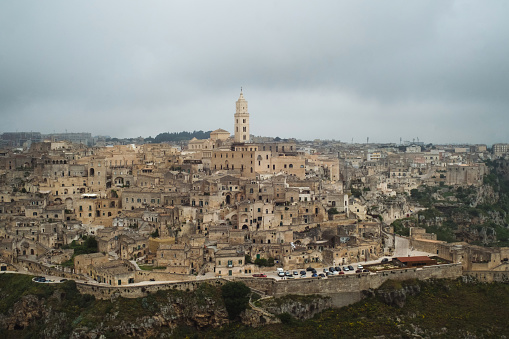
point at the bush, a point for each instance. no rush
(286, 318)
(247, 259)
(264, 262)
(400, 228)
(333, 210)
(236, 298)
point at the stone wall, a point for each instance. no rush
(489, 276)
(38, 268)
(347, 289)
(343, 289)
(6, 266)
(137, 291)
(161, 276)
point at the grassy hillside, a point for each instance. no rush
(442, 309)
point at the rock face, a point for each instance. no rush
(255, 319)
(168, 314)
(55, 311)
(24, 313)
(300, 307)
(397, 297)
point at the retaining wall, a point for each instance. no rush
(489, 276)
(346, 289)
(38, 268)
(343, 289)
(133, 291)
(160, 276)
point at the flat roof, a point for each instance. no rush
(417, 258)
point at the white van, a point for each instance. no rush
(279, 270)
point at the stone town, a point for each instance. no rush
(222, 206)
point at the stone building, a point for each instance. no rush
(465, 175)
(229, 261)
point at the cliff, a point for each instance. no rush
(299, 306)
(460, 308)
(31, 309)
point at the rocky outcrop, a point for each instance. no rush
(168, 315)
(59, 310)
(24, 313)
(398, 296)
(254, 318)
(300, 307)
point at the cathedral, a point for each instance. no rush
(239, 156)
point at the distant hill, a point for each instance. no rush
(179, 136)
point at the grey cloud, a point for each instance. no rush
(332, 69)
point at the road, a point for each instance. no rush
(401, 250)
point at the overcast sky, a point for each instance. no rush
(433, 70)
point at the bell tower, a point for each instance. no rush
(241, 120)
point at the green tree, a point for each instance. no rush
(333, 210)
(247, 259)
(236, 298)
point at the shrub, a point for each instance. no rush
(236, 298)
(333, 210)
(286, 318)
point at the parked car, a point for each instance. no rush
(321, 275)
(350, 267)
(302, 275)
(295, 273)
(314, 271)
(290, 277)
(359, 266)
(335, 273)
(341, 272)
(384, 260)
(302, 272)
(310, 269)
(325, 270)
(338, 268)
(331, 269)
(259, 275)
(329, 273)
(288, 274)
(365, 271)
(281, 274)
(346, 269)
(358, 270)
(314, 275)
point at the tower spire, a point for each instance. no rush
(241, 120)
